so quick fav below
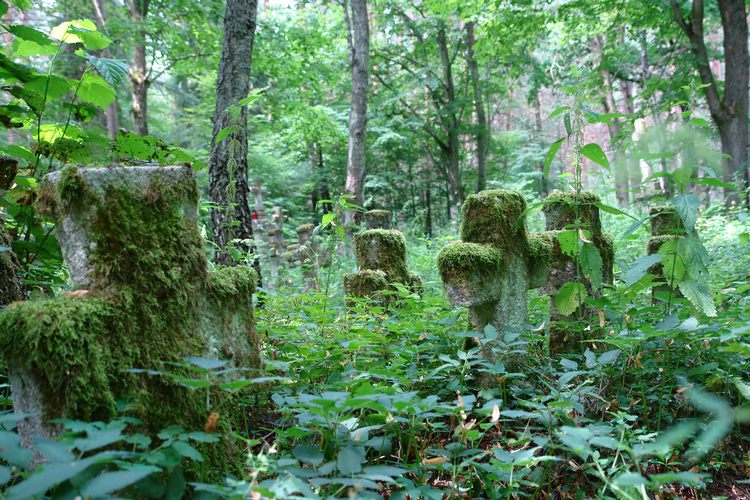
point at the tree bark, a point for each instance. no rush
(360, 67)
(138, 10)
(228, 169)
(730, 111)
(450, 150)
(622, 187)
(482, 128)
(110, 114)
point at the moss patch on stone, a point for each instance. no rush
(365, 283)
(665, 221)
(562, 209)
(492, 217)
(539, 258)
(462, 259)
(305, 228)
(142, 311)
(378, 219)
(383, 249)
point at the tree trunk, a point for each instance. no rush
(730, 112)
(622, 188)
(360, 66)
(110, 114)
(482, 129)
(450, 151)
(138, 10)
(543, 184)
(228, 170)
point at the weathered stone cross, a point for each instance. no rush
(381, 258)
(495, 264)
(144, 299)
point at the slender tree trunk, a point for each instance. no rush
(110, 114)
(228, 169)
(730, 111)
(450, 153)
(138, 10)
(482, 128)
(360, 66)
(622, 187)
(543, 185)
(427, 198)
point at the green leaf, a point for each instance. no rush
(570, 297)
(187, 451)
(224, 133)
(568, 241)
(110, 482)
(51, 475)
(21, 4)
(713, 182)
(54, 86)
(591, 264)
(553, 149)
(568, 127)
(96, 90)
(594, 153)
(30, 34)
(558, 112)
(3, 8)
(672, 262)
(349, 460)
(91, 39)
(113, 70)
(687, 208)
(205, 363)
(639, 268)
(26, 48)
(308, 454)
(699, 294)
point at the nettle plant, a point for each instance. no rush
(50, 115)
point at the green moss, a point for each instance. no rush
(461, 260)
(365, 283)
(305, 228)
(379, 213)
(539, 259)
(414, 283)
(665, 221)
(232, 283)
(562, 210)
(382, 249)
(493, 217)
(655, 243)
(143, 311)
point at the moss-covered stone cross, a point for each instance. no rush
(496, 262)
(381, 258)
(144, 299)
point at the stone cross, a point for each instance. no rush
(665, 226)
(495, 264)
(381, 258)
(144, 299)
(276, 244)
(258, 191)
(572, 213)
(378, 219)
